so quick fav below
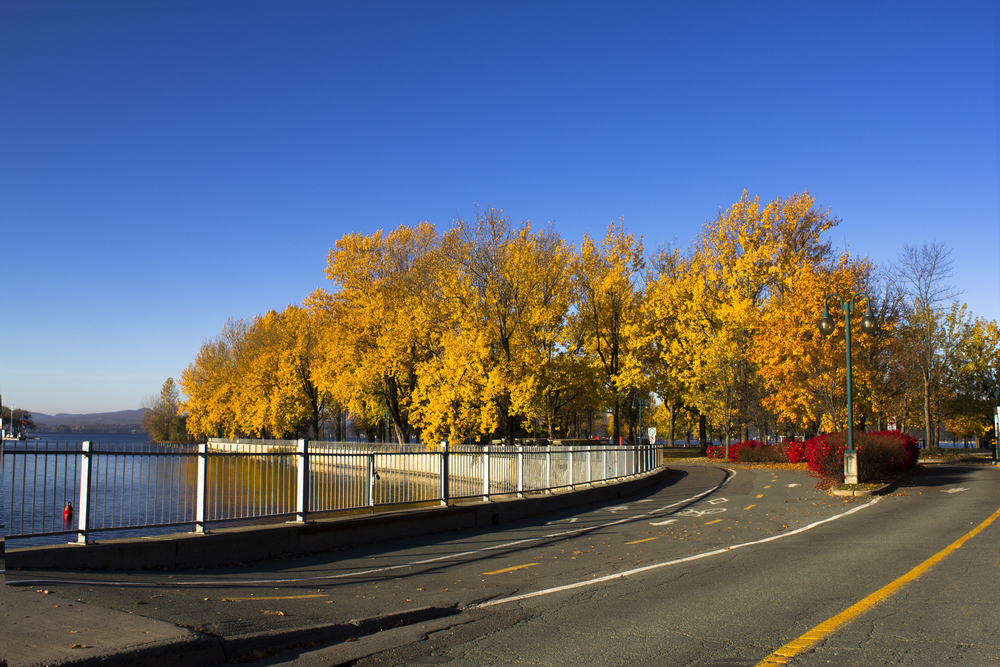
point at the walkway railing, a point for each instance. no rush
(81, 489)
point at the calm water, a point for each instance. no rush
(145, 487)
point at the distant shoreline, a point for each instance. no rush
(123, 422)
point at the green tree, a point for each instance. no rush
(162, 413)
(17, 421)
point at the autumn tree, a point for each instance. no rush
(382, 321)
(257, 377)
(741, 262)
(505, 298)
(608, 278)
(209, 382)
(971, 378)
(804, 372)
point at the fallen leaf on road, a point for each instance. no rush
(81, 646)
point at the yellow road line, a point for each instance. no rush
(827, 627)
(749, 506)
(511, 569)
(645, 540)
(711, 522)
(280, 597)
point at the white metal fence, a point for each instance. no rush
(80, 489)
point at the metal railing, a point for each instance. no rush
(80, 489)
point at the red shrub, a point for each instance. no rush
(747, 451)
(716, 452)
(881, 455)
(795, 450)
(825, 455)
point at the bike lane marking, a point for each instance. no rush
(687, 559)
(793, 648)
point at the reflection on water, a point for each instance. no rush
(135, 483)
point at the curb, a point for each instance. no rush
(201, 650)
(885, 488)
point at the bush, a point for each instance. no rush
(749, 451)
(881, 455)
(825, 455)
(794, 450)
(763, 453)
(716, 452)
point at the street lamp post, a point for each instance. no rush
(826, 327)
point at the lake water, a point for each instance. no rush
(136, 483)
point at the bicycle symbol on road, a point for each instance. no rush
(699, 513)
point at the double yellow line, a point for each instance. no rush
(827, 627)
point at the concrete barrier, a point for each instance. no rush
(256, 543)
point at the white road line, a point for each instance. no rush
(955, 490)
(646, 568)
(663, 523)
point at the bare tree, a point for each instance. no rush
(923, 275)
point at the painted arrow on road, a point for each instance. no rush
(955, 490)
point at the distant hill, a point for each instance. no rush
(100, 422)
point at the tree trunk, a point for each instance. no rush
(702, 437)
(672, 416)
(928, 434)
(616, 427)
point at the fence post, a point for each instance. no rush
(200, 488)
(486, 472)
(302, 482)
(520, 471)
(588, 465)
(444, 472)
(604, 461)
(371, 480)
(570, 465)
(548, 469)
(83, 508)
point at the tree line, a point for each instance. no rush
(494, 329)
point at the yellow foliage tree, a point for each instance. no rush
(804, 372)
(607, 318)
(383, 321)
(505, 297)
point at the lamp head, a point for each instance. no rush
(868, 323)
(826, 324)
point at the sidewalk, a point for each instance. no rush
(36, 629)
(41, 630)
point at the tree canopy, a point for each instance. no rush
(495, 329)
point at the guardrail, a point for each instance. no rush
(81, 489)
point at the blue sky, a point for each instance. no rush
(165, 166)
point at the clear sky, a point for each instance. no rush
(165, 166)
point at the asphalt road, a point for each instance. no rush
(715, 567)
